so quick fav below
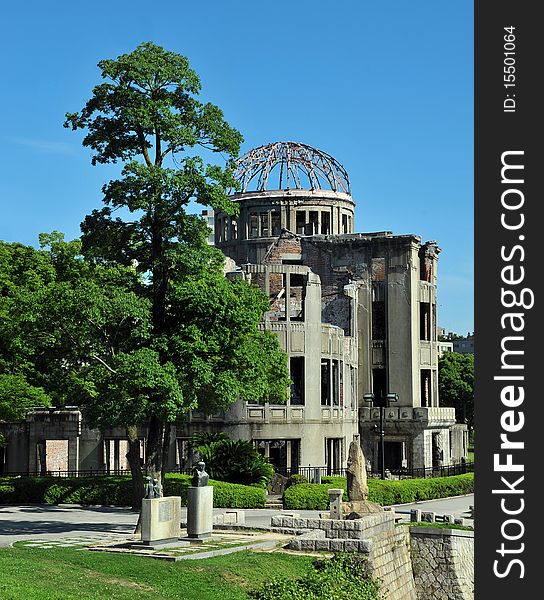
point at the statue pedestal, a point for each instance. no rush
(161, 519)
(199, 512)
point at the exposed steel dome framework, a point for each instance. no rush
(290, 165)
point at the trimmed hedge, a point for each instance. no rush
(117, 491)
(384, 492)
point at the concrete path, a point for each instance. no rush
(39, 522)
(457, 506)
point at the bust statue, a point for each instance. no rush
(200, 477)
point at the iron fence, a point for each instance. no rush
(312, 474)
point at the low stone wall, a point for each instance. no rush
(443, 563)
(375, 535)
(337, 529)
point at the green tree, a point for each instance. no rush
(204, 347)
(69, 328)
(21, 267)
(456, 385)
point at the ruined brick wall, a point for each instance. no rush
(335, 305)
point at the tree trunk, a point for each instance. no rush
(165, 448)
(155, 445)
(133, 456)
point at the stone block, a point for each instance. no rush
(364, 546)
(415, 515)
(276, 521)
(307, 545)
(161, 518)
(428, 517)
(337, 545)
(351, 546)
(238, 515)
(295, 544)
(323, 545)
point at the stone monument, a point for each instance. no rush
(161, 517)
(358, 504)
(199, 504)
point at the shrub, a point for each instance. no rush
(383, 492)
(308, 496)
(296, 479)
(237, 461)
(343, 576)
(225, 495)
(117, 491)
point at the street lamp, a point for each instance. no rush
(392, 397)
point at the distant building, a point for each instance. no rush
(464, 346)
(444, 347)
(208, 215)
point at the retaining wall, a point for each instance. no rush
(443, 563)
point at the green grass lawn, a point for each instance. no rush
(68, 573)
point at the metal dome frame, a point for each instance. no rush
(295, 160)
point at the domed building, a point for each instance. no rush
(355, 312)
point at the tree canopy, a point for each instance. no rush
(202, 345)
(456, 385)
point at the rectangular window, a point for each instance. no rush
(234, 229)
(379, 386)
(314, 222)
(253, 226)
(264, 224)
(335, 383)
(425, 267)
(344, 224)
(353, 373)
(325, 223)
(301, 221)
(377, 266)
(296, 297)
(325, 382)
(425, 387)
(296, 364)
(276, 224)
(378, 320)
(425, 321)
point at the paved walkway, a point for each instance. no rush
(72, 522)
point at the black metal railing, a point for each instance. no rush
(68, 473)
(447, 471)
(312, 474)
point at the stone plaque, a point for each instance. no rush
(165, 512)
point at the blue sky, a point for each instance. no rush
(386, 87)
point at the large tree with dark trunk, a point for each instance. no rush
(204, 348)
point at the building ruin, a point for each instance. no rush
(355, 313)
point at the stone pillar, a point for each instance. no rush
(335, 500)
(73, 454)
(200, 511)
